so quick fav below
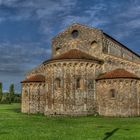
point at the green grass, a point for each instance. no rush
(18, 126)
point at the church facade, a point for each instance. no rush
(89, 73)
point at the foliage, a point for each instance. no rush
(1, 91)
(19, 126)
(17, 98)
(11, 93)
(9, 97)
(6, 98)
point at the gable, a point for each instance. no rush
(91, 41)
(77, 36)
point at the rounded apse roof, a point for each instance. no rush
(34, 78)
(117, 73)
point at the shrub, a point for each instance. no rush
(5, 98)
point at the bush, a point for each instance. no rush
(7, 99)
(17, 98)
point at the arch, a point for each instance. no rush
(79, 83)
(94, 44)
(112, 93)
(75, 33)
(57, 50)
(57, 83)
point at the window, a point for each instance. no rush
(79, 83)
(58, 48)
(112, 93)
(57, 83)
(74, 33)
(94, 44)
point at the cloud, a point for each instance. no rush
(7, 2)
(30, 46)
(46, 12)
(54, 16)
(40, 9)
(133, 24)
(132, 11)
(19, 58)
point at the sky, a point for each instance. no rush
(27, 27)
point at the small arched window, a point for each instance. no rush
(94, 44)
(112, 93)
(57, 49)
(57, 83)
(75, 33)
(79, 83)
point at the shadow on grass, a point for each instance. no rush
(109, 134)
(4, 133)
(127, 129)
(16, 110)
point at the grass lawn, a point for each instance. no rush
(17, 126)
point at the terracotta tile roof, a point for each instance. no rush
(74, 54)
(35, 78)
(117, 73)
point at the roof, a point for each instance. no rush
(117, 73)
(74, 54)
(35, 78)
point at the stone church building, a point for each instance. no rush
(89, 72)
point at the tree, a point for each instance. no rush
(11, 92)
(1, 91)
(6, 98)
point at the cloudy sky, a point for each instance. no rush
(27, 26)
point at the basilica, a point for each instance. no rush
(89, 73)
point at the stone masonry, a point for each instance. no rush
(89, 73)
